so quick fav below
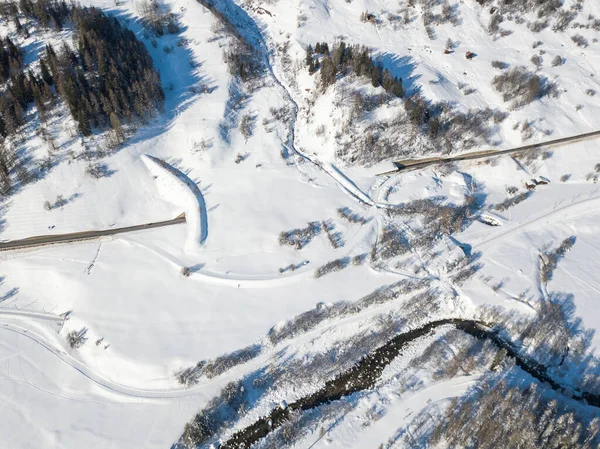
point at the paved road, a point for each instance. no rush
(413, 164)
(43, 240)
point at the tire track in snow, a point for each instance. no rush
(536, 221)
(90, 374)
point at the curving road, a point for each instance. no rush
(415, 164)
(44, 240)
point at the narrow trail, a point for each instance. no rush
(27, 314)
(90, 374)
(576, 209)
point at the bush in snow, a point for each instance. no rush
(549, 260)
(157, 17)
(558, 60)
(190, 376)
(221, 364)
(333, 266)
(98, 170)
(299, 238)
(230, 405)
(76, 339)
(349, 215)
(579, 40)
(335, 238)
(501, 409)
(536, 60)
(521, 87)
(563, 20)
(59, 202)
(512, 201)
(499, 65)
(246, 126)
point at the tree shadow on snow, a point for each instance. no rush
(179, 72)
(402, 67)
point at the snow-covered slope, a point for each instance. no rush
(151, 303)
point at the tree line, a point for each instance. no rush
(342, 60)
(345, 59)
(106, 78)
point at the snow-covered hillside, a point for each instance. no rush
(298, 258)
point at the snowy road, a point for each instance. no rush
(45, 240)
(413, 164)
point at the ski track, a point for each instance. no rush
(91, 375)
(559, 213)
(28, 314)
(235, 372)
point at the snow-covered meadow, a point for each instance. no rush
(144, 320)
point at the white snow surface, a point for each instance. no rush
(128, 290)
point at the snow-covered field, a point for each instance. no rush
(145, 320)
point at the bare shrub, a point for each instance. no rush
(536, 61)
(239, 158)
(512, 201)
(579, 40)
(549, 260)
(186, 271)
(483, 416)
(331, 267)
(320, 131)
(190, 376)
(494, 25)
(360, 259)
(98, 170)
(558, 60)
(59, 202)
(335, 238)
(499, 65)
(157, 17)
(349, 215)
(563, 20)
(537, 26)
(230, 405)
(247, 126)
(392, 243)
(221, 364)
(565, 178)
(299, 238)
(590, 92)
(76, 339)
(312, 318)
(520, 86)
